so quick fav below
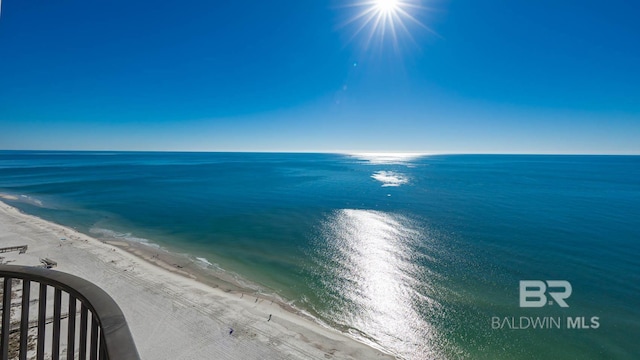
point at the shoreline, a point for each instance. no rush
(183, 265)
(169, 302)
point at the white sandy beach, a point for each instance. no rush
(171, 315)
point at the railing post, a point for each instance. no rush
(6, 317)
(24, 319)
(83, 332)
(42, 317)
(71, 328)
(55, 345)
(94, 338)
(103, 350)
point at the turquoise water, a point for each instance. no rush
(413, 254)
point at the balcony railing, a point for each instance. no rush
(82, 321)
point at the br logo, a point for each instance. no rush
(533, 293)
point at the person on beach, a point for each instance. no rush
(230, 331)
(269, 317)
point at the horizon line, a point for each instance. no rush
(340, 152)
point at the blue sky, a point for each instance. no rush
(479, 77)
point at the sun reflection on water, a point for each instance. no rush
(388, 158)
(374, 281)
(390, 178)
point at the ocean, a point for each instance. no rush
(422, 256)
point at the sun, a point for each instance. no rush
(387, 6)
(385, 20)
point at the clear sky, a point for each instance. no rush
(493, 76)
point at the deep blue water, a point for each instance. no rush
(415, 254)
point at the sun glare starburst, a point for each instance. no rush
(385, 20)
(386, 6)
